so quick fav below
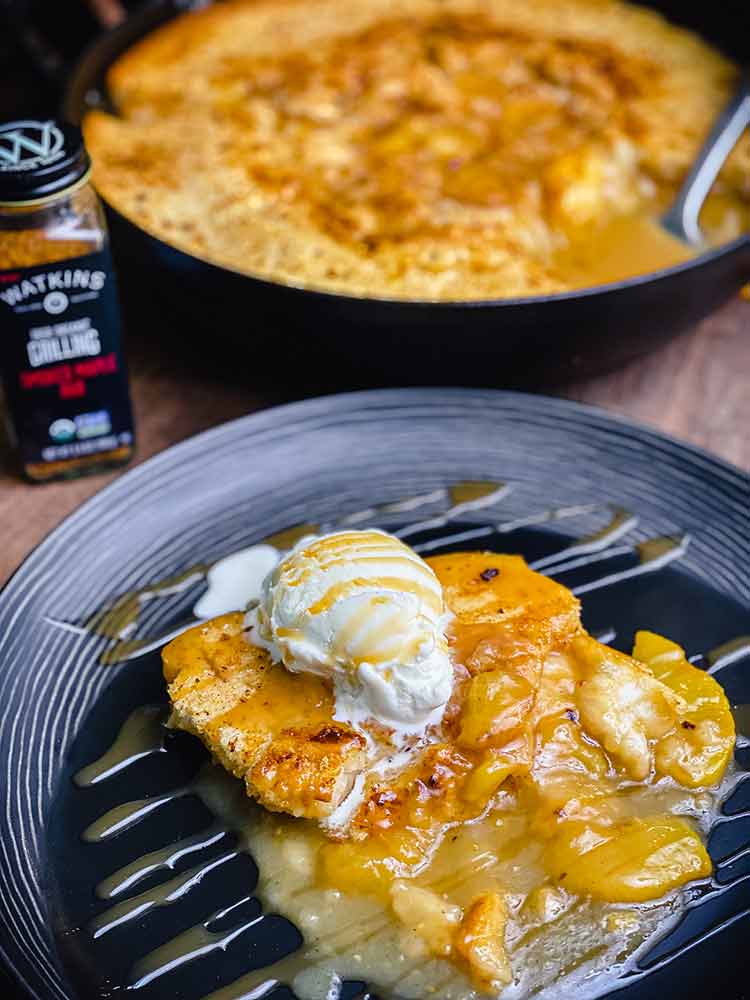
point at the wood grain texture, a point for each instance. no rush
(696, 388)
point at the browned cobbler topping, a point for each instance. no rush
(332, 734)
(440, 129)
(449, 152)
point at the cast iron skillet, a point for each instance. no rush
(344, 339)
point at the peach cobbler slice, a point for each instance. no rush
(554, 752)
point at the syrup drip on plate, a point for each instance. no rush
(347, 936)
(728, 653)
(120, 621)
(235, 579)
(192, 944)
(122, 817)
(164, 859)
(584, 945)
(141, 735)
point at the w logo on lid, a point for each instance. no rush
(25, 145)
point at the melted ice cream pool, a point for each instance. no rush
(236, 580)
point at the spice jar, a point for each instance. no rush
(60, 356)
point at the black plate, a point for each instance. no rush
(322, 461)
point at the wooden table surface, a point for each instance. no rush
(696, 388)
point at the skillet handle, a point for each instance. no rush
(682, 217)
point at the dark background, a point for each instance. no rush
(40, 41)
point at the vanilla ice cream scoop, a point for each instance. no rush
(363, 609)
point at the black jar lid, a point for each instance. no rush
(39, 159)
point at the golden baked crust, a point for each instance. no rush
(549, 759)
(272, 728)
(275, 729)
(432, 149)
(547, 782)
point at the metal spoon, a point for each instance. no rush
(682, 218)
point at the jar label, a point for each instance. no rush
(61, 362)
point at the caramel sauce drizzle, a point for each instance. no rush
(141, 735)
(323, 960)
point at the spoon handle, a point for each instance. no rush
(682, 218)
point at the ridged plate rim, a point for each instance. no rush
(728, 500)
